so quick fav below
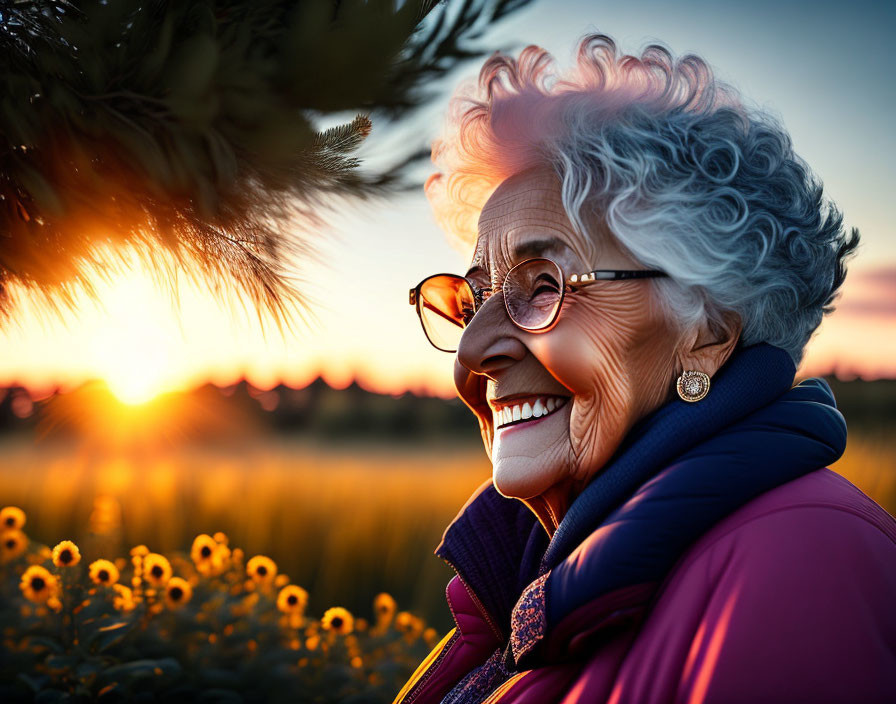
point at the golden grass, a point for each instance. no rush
(870, 463)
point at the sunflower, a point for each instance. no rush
(261, 569)
(66, 554)
(12, 517)
(220, 561)
(210, 557)
(292, 599)
(384, 607)
(38, 584)
(178, 592)
(408, 624)
(221, 558)
(124, 598)
(12, 544)
(103, 572)
(156, 569)
(403, 621)
(338, 620)
(203, 548)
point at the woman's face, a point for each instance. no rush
(608, 361)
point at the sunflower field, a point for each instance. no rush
(204, 625)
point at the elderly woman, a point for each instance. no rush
(649, 260)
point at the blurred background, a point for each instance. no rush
(338, 448)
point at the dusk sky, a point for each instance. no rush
(824, 68)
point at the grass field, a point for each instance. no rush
(343, 523)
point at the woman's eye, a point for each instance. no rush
(545, 283)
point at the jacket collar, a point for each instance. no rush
(497, 546)
(486, 543)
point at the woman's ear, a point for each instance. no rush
(707, 347)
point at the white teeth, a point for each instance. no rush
(540, 407)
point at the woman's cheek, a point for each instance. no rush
(584, 433)
(471, 388)
(587, 352)
(597, 426)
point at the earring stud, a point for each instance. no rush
(692, 386)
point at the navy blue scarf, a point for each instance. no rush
(767, 432)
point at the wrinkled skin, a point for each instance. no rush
(611, 352)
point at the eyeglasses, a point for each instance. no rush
(533, 291)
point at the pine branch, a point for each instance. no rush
(187, 127)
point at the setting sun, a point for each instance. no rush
(134, 345)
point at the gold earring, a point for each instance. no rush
(692, 386)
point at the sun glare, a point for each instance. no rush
(135, 344)
(132, 389)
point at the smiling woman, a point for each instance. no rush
(611, 351)
(649, 260)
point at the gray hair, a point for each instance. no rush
(686, 177)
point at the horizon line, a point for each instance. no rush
(44, 391)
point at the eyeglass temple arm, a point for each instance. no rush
(613, 275)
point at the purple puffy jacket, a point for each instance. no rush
(716, 560)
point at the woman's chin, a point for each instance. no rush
(523, 454)
(519, 478)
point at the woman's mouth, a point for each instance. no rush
(526, 410)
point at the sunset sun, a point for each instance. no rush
(135, 344)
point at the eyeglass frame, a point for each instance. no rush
(573, 283)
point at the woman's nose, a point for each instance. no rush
(491, 341)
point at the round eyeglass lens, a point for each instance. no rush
(533, 292)
(446, 304)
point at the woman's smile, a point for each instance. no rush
(528, 409)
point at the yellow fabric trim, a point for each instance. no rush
(503, 689)
(423, 666)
